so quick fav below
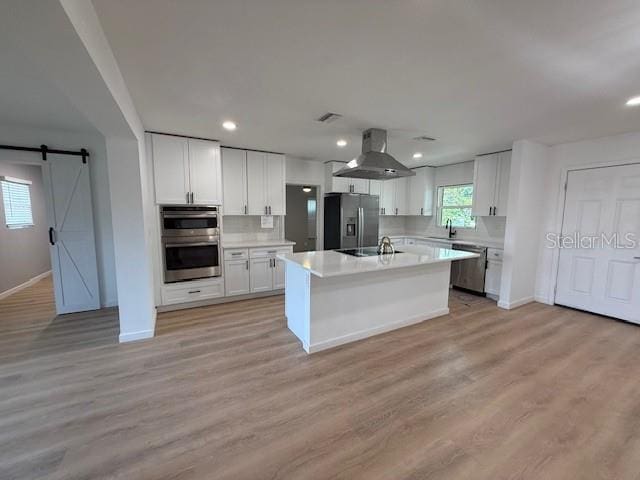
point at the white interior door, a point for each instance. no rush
(594, 276)
(73, 249)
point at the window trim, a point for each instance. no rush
(18, 181)
(439, 206)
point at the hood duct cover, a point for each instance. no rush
(374, 163)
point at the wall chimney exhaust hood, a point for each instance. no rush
(374, 163)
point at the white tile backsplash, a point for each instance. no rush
(487, 228)
(236, 228)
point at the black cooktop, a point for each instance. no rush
(364, 252)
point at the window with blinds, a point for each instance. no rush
(16, 197)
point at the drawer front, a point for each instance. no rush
(433, 243)
(269, 252)
(236, 253)
(191, 293)
(495, 254)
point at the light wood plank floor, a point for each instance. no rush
(226, 392)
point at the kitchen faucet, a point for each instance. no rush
(449, 225)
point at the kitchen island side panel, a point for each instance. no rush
(297, 302)
(352, 307)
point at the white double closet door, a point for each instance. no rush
(600, 278)
(71, 235)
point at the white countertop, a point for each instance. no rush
(257, 243)
(481, 242)
(330, 263)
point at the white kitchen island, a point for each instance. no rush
(332, 298)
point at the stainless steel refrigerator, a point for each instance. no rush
(350, 220)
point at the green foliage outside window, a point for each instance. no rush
(454, 204)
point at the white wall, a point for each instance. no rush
(606, 150)
(24, 252)
(94, 143)
(524, 228)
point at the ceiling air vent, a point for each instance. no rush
(424, 138)
(329, 117)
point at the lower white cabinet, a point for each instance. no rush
(253, 270)
(261, 274)
(185, 292)
(236, 277)
(493, 273)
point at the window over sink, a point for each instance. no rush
(454, 203)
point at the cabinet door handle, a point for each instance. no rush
(265, 210)
(191, 197)
(245, 209)
(396, 210)
(193, 291)
(269, 209)
(187, 197)
(51, 240)
(421, 210)
(247, 264)
(236, 253)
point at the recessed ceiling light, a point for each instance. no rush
(417, 155)
(229, 125)
(632, 102)
(306, 189)
(341, 143)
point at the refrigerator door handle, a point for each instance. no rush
(360, 226)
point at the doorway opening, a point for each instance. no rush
(301, 225)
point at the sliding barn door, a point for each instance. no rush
(597, 277)
(71, 236)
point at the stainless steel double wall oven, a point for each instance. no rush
(190, 242)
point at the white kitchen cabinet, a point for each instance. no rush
(421, 192)
(261, 274)
(491, 184)
(234, 181)
(276, 184)
(343, 184)
(170, 169)
(493, 274)
(502, 182)
(186, 170)
(394, 197)
(375, 188)
(236, 277)
(194, 291)
(205, 172)
(278, 274)
(388, 197)
(402, 195)
(265, 184)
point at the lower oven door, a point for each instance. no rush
(191, 258)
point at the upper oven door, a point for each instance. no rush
(189, 223)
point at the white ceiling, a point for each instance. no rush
(29, 98)
(476, 75)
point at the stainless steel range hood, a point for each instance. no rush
(374, 163)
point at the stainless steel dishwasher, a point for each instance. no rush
(469, 274)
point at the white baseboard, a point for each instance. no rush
(352, 337)
(515, 304)
(135, 336)
(110, 302)
(216, 301)
(543, 299)
(24, 285)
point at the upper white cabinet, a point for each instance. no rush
(265, 183)
(394, 197)
(253, 182)
(491, 184)
(343, 184)
(234, 181)
(421, 192)
(205, 172)
(186, 170)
